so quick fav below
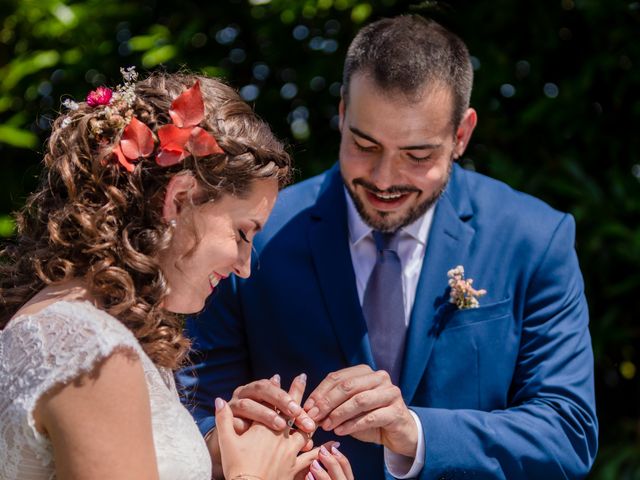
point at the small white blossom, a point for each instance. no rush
(129, 74)
(70, 104)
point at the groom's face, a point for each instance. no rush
(395, 152)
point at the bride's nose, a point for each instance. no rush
(242, 267)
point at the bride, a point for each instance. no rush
(150, 196)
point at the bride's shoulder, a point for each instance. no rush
(68, 336)
(68, 320)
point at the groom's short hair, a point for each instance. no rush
(405, 53)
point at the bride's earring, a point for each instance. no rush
(172, 227)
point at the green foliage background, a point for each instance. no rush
(556, 93)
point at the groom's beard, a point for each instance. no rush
(383, 221)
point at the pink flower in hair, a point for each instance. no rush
(99, 96)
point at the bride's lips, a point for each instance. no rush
(214, 280)
(386, 201)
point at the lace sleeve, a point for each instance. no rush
(50, 348)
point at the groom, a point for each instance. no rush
(352, 284)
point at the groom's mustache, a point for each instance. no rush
(402, 189)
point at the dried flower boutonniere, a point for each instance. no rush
(462, 293)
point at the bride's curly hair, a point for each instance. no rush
(92, 218)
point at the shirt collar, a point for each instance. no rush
(418, 230)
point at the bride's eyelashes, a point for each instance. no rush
(243, 236)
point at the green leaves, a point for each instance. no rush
(26, 65)
(18, 137)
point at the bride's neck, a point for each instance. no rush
(71, 290)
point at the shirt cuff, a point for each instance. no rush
(401, 466)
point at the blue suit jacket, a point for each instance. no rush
(504, 391)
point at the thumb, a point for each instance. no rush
(224, 420)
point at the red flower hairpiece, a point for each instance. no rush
(136, 141)
(177, 140)
(184, 137)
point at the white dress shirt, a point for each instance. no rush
(412, 244)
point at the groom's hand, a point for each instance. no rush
(365, 404)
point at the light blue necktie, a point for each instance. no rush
(383, 307)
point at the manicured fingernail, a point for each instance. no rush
(335, 451)
(302, 378)
(316, 465)
(279, 423)
(324, 451)
(308, 424)
(276, 379)
(309, 403)
(294, 408)
(219, 404)
(310, 476)
(313, 413)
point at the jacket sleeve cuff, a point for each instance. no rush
(206, 424)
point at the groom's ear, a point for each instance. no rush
(464, 131)
(180, 192)
(341, 110)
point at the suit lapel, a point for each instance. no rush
(447, 247)
(329, 242)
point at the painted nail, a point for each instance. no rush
(313, 413)
(316, 465)
(310, 476)
(324, 451)
(219, 404)
(279, 423)
(308, 424)
(294, 408)
(276, 379)
(302, 378)
(335, 451)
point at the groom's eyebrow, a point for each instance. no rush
(357, 132)
(424, 146)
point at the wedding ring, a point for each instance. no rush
(290, 427)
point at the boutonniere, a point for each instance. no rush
(462, 293)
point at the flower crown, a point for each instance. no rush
(177, 140)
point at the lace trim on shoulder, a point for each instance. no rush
(62, 341)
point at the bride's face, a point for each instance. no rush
(211, 241)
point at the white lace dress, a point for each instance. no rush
(56, 345)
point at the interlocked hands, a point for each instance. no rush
(255, 438)
(355, 401)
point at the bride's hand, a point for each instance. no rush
(265, 402)
(260, 452)
(330, 464)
